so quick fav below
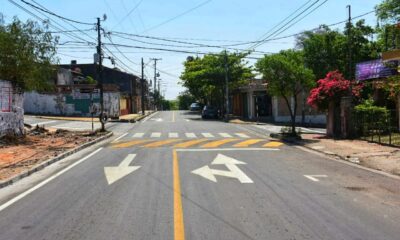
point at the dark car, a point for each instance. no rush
(209, 112)
(195, 107)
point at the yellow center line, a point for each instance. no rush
(130, 143)
(161, 143)
(218, 143)
(173, 116)
(273, 144)
(179, 229)
(190, 143)
(248, 142)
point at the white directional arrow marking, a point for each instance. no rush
(315, 177)
(113, 174)
(230, 163)
(156, 119)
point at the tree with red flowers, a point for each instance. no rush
(332, 88)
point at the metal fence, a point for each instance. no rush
(382, 128)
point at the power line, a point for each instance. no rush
(109, 38)
(291, 20)
(313, 10)
(116, 33)
(194, 45)
(79, 30)
(129, 13)
(71, 36)
(177, 16)
(67, 55)
(171, 50)
(54, 14)
(273, 28)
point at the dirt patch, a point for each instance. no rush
(368, 154)
(18, 155)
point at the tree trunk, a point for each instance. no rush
(292, 116)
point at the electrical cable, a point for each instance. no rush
(54, 14)
(313, 10)
(128, 14)
(291, 20)
(177, 16)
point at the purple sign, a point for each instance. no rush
(372, 70)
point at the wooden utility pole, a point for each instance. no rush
(226, 87)
(349, 41)
(155, 79)
(142, 87)
(100, 75)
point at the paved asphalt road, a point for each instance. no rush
(174, 176)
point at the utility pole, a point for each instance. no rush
(226, 87)
(100, 75)
(155, 77)
(349, 39)
(142, 87)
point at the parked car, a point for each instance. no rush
(195, 107)
(209, 112)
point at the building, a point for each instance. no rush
(128, 84)
(253, 102)
(77, 93)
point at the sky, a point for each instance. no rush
(209, 22)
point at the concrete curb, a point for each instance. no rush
(52, 160)
(146, 115)
(133, 120)
(95, 119)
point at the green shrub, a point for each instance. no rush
(369, 117)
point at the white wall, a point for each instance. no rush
(55, 104)
(309, 119)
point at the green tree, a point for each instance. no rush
(185, 99)
(27, 54)
(327, 50)
(287, 77)
(389, 11)
(204, 77)
(323, 50)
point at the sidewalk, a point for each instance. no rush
(372, 155)
(367, 154)
(124, 118)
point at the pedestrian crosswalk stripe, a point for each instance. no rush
(248, 142)
(138, 135)
(242, 135)
(161, 143)
(190, 135)
(173, 135)
(190, 143)
(207, 135)
(218, 143)
(225, 135)
(197, 143)
(273, 144)
(130, 143)
(155, 135)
